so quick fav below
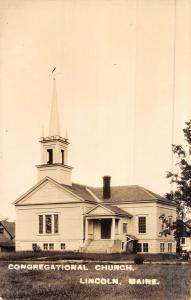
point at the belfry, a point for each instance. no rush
(54, 148)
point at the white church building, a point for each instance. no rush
(57, 214)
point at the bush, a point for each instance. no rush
(37, 248)
(138, 260)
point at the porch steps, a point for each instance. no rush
(99, 246)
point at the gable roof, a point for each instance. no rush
(9, 227)
(79, 191)
(119, 194)
(131, 193)
(113, 210)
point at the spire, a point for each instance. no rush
(54, 127)
(66, 135)
(42, 134)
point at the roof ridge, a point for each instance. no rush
(152, 193)
(117, 186)
(83, 185)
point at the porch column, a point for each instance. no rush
(113, 229)
(86, 229)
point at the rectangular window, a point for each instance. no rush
(183, 240)
(124, 227)
(40, 224)
(45, 246)
(169, 247)
(139, 247)
(51, 246)
(62, 157)
(34, 247)
(142, 224)
(62, 246)
(145, 247)
(170, 220)
(55, 223)
(49, 156)
(161, 247)
(48, 223)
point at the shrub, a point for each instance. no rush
(138, 260)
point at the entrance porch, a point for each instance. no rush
(101, 235)
(103, 229)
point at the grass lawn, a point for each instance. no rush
(58, 255)
(175, 283)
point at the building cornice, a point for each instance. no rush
(54, 164)
(54, 139)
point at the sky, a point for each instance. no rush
(123, 84)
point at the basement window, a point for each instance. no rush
(62, 246)
(34, 247)
(49, 156)
(45, 246)
(51, 246)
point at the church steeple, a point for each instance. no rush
(54, 126)
(55, 148)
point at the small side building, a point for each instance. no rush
(186, 239)
(7, 236)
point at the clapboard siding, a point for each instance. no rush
(49, 193)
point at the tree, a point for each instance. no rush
(181, 194)
(179, 229)
(181, 178)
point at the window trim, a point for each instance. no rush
(44, 246)
(56, 225)
(125, 226)
(48, 231)
(147, 247)
(62, 156)
(162, 247)
(64, 246)
(49, 156)
(183, 241)
(51, 246)
(141, 248)
(34, 246)
(170, 247)
(145, 217)
(52, 214)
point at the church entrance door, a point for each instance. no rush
(106, 229)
